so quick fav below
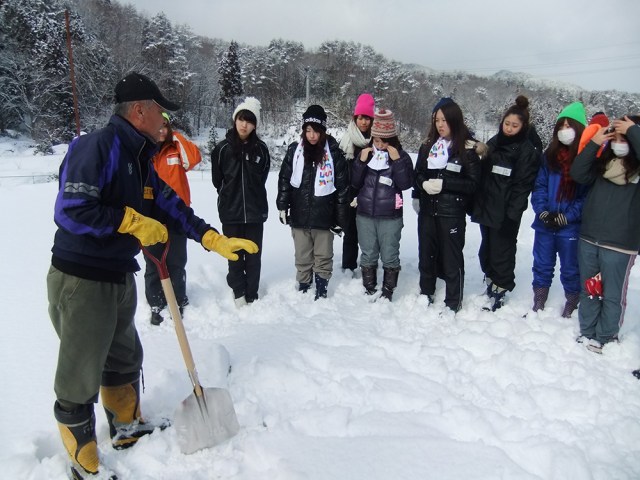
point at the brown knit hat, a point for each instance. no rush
(384, 125)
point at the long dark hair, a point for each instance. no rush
(314, 154)
(556, 145)
(459, 131)
(631, 162)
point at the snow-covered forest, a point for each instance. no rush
(208, 75)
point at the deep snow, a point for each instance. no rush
(336, 389)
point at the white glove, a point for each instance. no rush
(433, 186)
(283, 216)
(415, 202)
(354, 203)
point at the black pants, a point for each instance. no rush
(176, 263)
(244, 273)
(440, 246)
(350, 242)
(497, 253)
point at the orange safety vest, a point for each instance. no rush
(173, 162)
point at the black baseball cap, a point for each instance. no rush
(136, 86)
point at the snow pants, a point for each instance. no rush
(546, 247)
(497, 253)
(313, 253)
(350, 242)
(602, 319)
(99, 343)
(440, 254)
(176, 263)
(379, 238)
(244, 273)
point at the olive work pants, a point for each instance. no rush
(99, 343)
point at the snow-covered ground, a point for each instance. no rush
(336, 389)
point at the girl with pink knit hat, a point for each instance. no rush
(357, 137)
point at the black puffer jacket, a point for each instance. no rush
(460, 180)
(306, 210)
(378, 190)
(508, 175)
(239, 178)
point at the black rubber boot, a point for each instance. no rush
(369, 279)
(389, 282)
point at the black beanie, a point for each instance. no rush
(315, 114)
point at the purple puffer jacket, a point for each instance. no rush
(380, 191)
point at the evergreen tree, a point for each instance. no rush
(35, 68)
(230, 76)
(213, 139)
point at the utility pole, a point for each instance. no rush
(72, 73)
(307, 69)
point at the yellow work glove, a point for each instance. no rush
(145, 229)
(212, 240)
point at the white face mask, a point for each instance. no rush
(620, 149)
(566, 136)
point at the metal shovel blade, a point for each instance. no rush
(205, 421)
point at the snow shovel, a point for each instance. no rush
(206, 417)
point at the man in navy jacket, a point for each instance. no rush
(110, 201)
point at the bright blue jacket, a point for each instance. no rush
(102, 173)
(544, 198)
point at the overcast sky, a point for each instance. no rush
(592, 43)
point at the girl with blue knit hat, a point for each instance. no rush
(447, 176)
(557, 202)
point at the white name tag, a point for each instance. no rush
(635, 179)
(386, 181)
(454, 167)
(501, 171)
(173, 160)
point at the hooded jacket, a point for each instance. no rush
(611, 212)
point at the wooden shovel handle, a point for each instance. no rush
(172, 303)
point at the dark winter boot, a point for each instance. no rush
(497, 297)
(321, 286)
(156, 316)
(489, 284)
(540, 295)
(369, 279)
(389, 282)
(122, 406)
(304, 287)
(78, 432)
(571, 303)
